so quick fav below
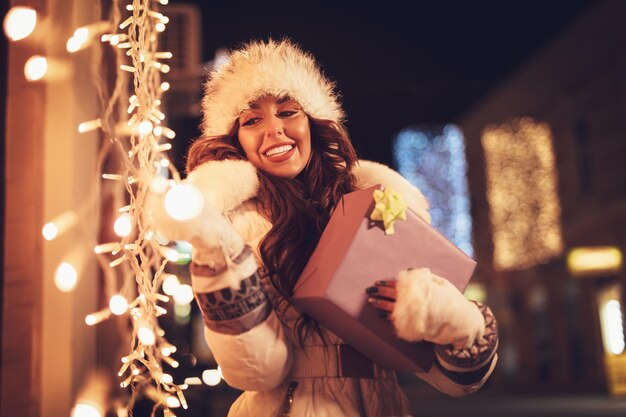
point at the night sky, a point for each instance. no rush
(398, 64)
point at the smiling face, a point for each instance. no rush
(275, 136)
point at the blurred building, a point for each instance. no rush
(546, 155)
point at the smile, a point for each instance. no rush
(278, 150)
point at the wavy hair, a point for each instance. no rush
(298, 208)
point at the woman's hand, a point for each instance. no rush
(382, 296)
(424, 306)
(206, 228)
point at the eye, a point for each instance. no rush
(287, 113)
(251, 121)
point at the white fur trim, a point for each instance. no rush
(369, 173)
(430, 308)
(226, 184)
(258, 69)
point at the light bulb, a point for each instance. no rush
(145, 128)
(123, 225)
(20, 22)
(160, 27)
(183, 294)
(146, 336)
(165, 86)
(65, 277)
(118, 305)
(49, 231)
(86, 409)
(73, 45)
(81, 34)
(172, 402)
(167, 378)
(184, 202)
(90, 319)
(35, 68)
(211, 377)
(170, 284)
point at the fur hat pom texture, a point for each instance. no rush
(278, 68)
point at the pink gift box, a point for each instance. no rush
(352, 254)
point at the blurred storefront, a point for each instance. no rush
(547, 180)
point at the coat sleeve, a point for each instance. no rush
(241, 327)
(458, 384)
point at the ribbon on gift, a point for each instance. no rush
(390, 206)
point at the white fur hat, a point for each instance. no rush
(260, 68)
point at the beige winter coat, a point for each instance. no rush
(264, 360)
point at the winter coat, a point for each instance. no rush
(259, 352)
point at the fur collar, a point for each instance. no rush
(230, 183)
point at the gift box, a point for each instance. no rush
(354, 252)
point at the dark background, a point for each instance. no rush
(399, 63)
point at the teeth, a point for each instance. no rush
(279, 150)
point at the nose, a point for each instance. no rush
(274, 126)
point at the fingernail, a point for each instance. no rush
(373, 300)
(371, 290)
(382, 282)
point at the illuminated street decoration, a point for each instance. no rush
(434, 161)
(594, 261)
(524, 207)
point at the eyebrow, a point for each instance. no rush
(281, 100)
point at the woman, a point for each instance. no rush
(273, 162)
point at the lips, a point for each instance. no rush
(280, 152)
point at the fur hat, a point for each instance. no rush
(261, 68)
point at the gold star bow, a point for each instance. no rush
(390, 206)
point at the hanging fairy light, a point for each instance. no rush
(59, 225)
(183, 294)
(20, 22)
(170, 284)
(86, 409)
(141, 254)
(65, 277)
(118, 305)
(35, 68)
(123, 225)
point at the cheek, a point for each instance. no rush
(248, 143)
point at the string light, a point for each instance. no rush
(59, 225)
(118, 305)
(170, 284)
(20, 22)
(97, 317)
(65, 277)
(123, 225)
(84, 409)
(35, 68)
(141, 254)
(145, 128)
(146, 335)
(89, 125)
(522, 194)
(211, 377)
(183, 294)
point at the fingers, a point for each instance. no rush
(381, 304)
(382, 296)
(385, 289)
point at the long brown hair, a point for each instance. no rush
(298, 208)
